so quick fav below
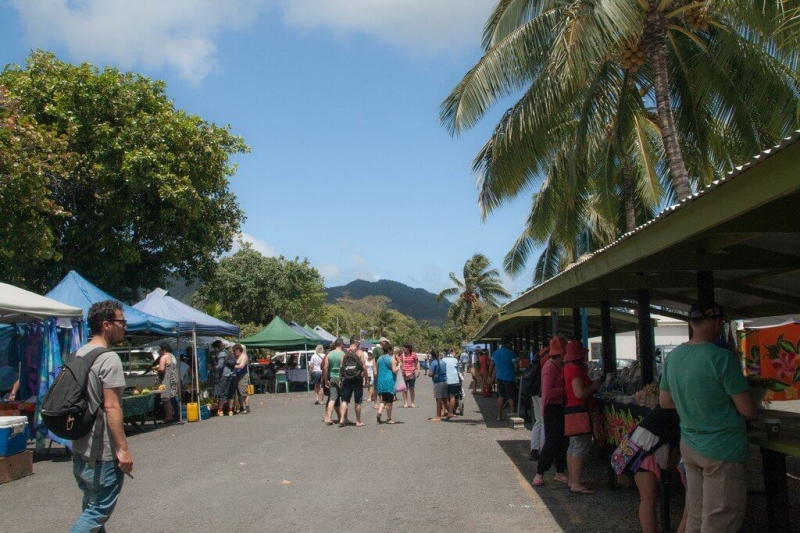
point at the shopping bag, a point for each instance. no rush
(399, 383)
(576, 421)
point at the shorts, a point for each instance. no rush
(370, 381)
(334, 393)
(410, 382)
(505, 389)
(353, 387)
(316, 378)
(453, 389)
(579, 446)
(387, 397)
(242, 383)
(440, 390)
(226, 388)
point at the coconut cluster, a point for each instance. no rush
(633, 56)
(697, 18)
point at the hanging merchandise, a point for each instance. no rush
(49, 367)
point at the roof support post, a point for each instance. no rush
(646, 340)
(527, 347)
(609, 355)
(554, 319)
(576, 323)
(705, 284)
(536, 338)
(545, 337)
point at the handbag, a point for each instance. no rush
(576, 421)
(399, 383)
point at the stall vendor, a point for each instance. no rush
(12, 396)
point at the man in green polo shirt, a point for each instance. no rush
(330, 376)
(706, 385)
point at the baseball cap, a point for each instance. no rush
(705, 309)
(384, 339)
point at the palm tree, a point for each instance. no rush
(480, 284)
(585, 126)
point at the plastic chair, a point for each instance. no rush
(280, 379)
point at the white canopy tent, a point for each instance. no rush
(18, 305)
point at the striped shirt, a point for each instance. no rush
(409, 363)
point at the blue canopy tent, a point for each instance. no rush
(190, 321)
(75, 290)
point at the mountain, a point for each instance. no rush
(416, 303)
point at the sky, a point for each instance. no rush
(338, 101)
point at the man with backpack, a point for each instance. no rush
(101, 458)
(353, 378)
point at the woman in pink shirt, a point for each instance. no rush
(410, 373)
(553, 399)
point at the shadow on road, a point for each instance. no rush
(607, 510)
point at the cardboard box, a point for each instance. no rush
(16, 466)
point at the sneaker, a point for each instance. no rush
(247, 409)
(534, 455)
(230, 413)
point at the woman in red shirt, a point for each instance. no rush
(555, 443)
(410, 373)
(579, 388)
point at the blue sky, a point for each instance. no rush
(338, 101)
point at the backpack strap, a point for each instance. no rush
(92, 356)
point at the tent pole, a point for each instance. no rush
(180, 388)
(196, 372)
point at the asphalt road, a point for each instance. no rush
(280, 468)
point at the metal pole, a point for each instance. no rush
(576, 323)
(180, 385)
(609, 357)
(196, 372)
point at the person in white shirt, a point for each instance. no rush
(315, 367)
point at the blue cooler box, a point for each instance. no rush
(13, 435)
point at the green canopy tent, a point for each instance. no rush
(278, 335)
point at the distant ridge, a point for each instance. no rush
(416, 303)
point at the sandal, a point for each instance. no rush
(585, 492)
(379, 418)
(563, 480)
(537, 482)
(390, 421)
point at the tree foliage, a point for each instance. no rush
(618, 99)
(254, 289)
(109, 179)
(479, 284)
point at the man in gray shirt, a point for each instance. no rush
(101, 458)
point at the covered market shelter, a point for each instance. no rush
(737, 240)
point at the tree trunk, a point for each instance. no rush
(629, 197)
(657, 52)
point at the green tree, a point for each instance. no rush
(586, 122)
(254, 288)
(137, 190)
(29, 157)
(480, 283)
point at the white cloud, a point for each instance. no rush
(361, 269)
(422, 26)
(330, 272)
(257, 244)
(176, 34)
(180, 34)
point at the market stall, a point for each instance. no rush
(33, 348)
(191, 323)
(278, 335)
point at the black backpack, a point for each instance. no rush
(531, 381)
(351, 367)
(65, 408)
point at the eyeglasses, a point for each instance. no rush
(122, 320)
